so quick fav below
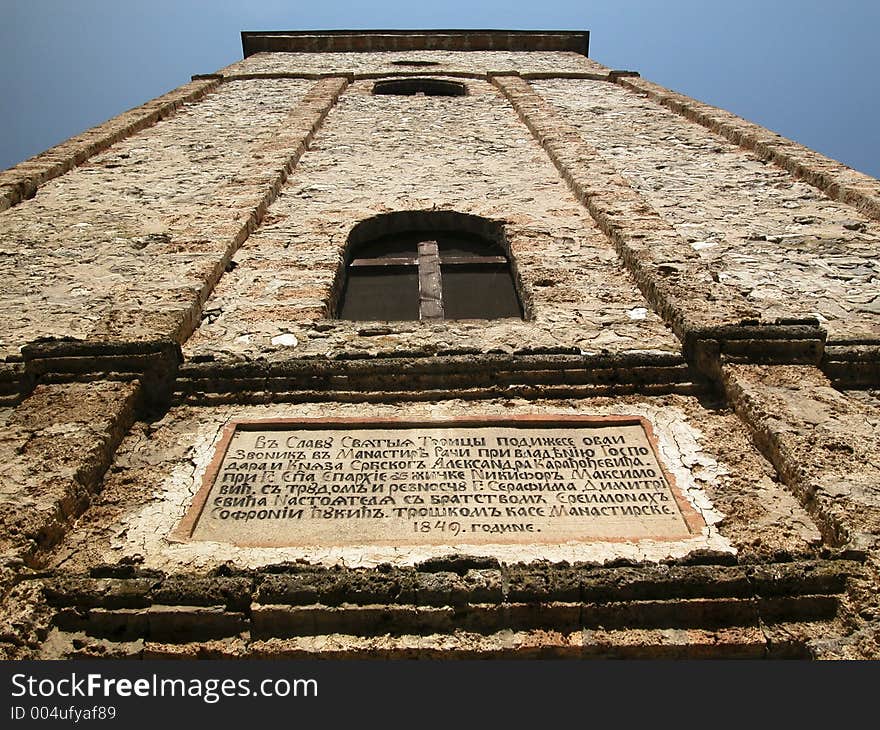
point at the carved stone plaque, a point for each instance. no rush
(469, 481)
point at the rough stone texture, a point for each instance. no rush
(397, 40)
(126, 246)
(668, 644)
(787, 608)
(467, 154)
(160, 467)
(823, 443)
(25, 621)
(22, 180)
(54, 450)
(461, 62)
(860, 616)
(781, 245)
(669, 272)
(612, 206)
(785, 641)
(435, 373)
(444, 608)
(834, 178)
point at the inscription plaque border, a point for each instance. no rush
(184, 531)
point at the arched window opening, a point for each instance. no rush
(412, 86)
(428, 274)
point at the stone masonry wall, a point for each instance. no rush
(824, 444)
(837, 180)
(623, 220)
(54, 449)
(449, 62)
(781, 243)
(161, 465)
(377, 154)
(21, 181)
(120, 246)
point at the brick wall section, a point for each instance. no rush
(22, 180)
(834, 178)
(126, 247)
(779, 242)
(489, 610)
(669, 272)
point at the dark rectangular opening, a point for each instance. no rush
(479, 292)
(381, 293)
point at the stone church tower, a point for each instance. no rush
(437, 344)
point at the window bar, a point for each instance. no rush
(430, 289)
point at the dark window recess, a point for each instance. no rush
(414, 62)
(428, 87)
(429, 275)
(381, 293)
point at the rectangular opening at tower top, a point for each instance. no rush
(533, 480)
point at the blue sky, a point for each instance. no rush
(805, 69)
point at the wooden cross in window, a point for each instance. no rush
(429, 260)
